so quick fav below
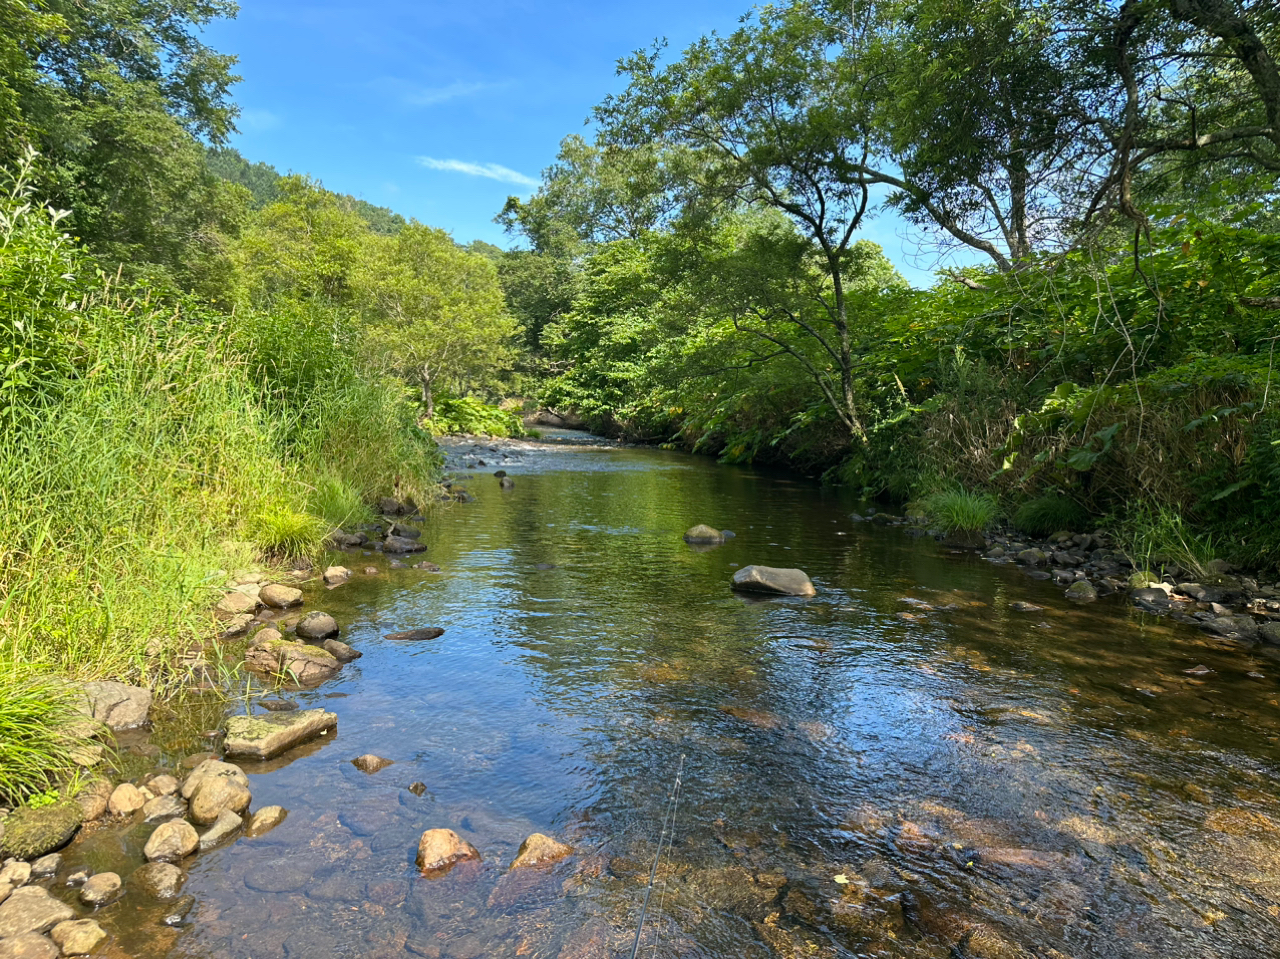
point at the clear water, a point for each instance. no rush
(901, 766)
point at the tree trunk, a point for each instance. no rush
(428, 400)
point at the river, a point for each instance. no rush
(907, 764)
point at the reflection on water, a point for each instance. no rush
(905, 765)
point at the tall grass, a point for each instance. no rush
(962, 511)
(36, 712)
(1155, 537)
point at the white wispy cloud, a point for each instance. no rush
(492, 171)
(258, 120)
(430, 96)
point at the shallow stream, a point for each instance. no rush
(905, 765)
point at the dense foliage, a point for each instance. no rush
(696, 276)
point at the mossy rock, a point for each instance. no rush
(31, 833)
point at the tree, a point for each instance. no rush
(434, 312)
(777, 119)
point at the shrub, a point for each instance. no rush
(466, 414)
(1050, 513)
(962, 511)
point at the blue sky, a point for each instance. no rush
(441, 110)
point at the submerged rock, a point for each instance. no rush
(336, 575)
(441, 849)
(773, 581)
(703, 534)
(159, 880)
(263, 737)
(46, 865)
(340, 651)
(413, 635)
(224, 827)
(506, 483)
(265, 820)
(369, 763)
(1082, 591)
(29, 945)
(402, 544)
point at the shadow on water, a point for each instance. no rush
(905, 765)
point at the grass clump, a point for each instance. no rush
(1050, 513)
(1160, 537)
(962, 511)
(36, 714)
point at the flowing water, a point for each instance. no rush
(905, 765)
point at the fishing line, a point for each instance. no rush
(668, 819)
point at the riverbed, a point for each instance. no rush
(913, 763)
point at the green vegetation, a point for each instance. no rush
(35, 748)
(962, 511)
(469, 415)
(696, 274)
(1050, 513)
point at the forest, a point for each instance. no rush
(204, 362)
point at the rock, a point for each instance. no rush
(117, 705)
(279, 596)
(703, 534)
(93, 800)
(237, 625)
(369, 763)
(778, 582)
(162, 785)
(418, 789)
(1198, 670)
(279, 875)
(224, 827)
(46, 865)
(172, 841)
(404, 532)
(1235, 627)
(427, 565)
(506, 483)
(301, 664)
(178, 912)
(1144, 579)
(440, 849)
(31, 909)
(498, 474)
(208, 769)
(402, 544)
(1022, 607)
(995, 552)
(79, 876)
(29, 945)
(31, 833)
(413, 635)
(216, 795)
(100, 889)
(317, 627)
(236, 603)
(340, 651)
(539, 849)
(336, 575)
(265, 820)
(126, 800)
(262, 737)
(371, 571)
(390, 507)
(348, 540)
(1082, 591)
(159, 880)
(1270, 633)
(268, 634)
(1150, 597)
(78, 937)
(16, 874)
(280, 705)
(1032, 557)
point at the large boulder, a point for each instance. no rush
(31, 909)
(441, 849)
(538, 850)
(279, 596)
(773, 581)
(316, 627)
(216, 795)
(304, 665)
(703, 534)
(263, 737)
(211, 769)
(236, 603)
(31, 833)
(116, 705)
(159, 880)
(172, 841)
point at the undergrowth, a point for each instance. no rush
(962, 511)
